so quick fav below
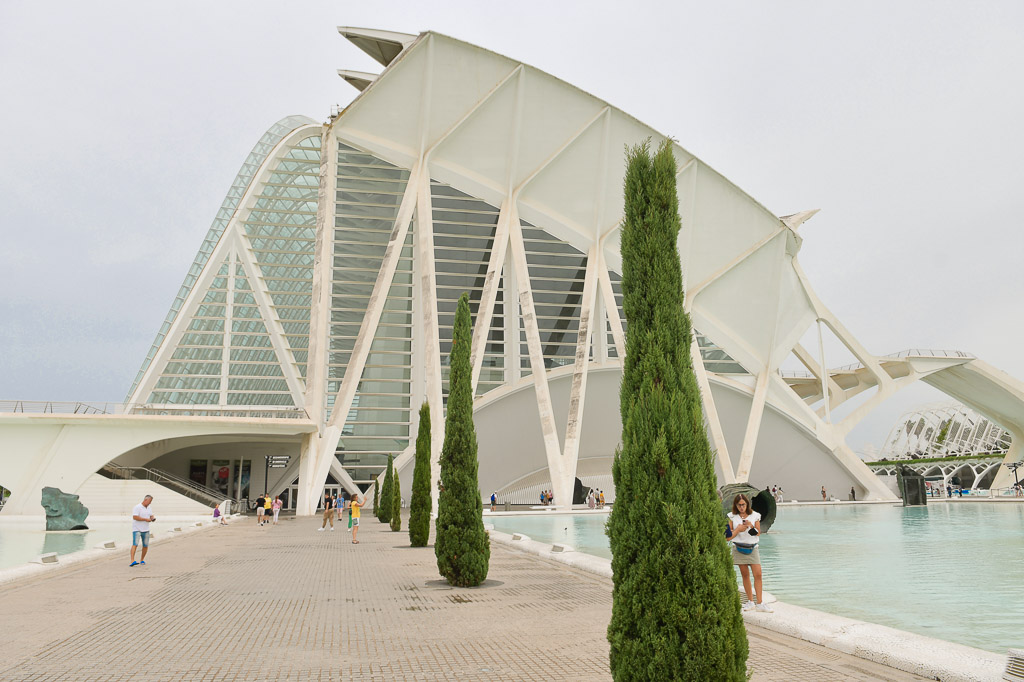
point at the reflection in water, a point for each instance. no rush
(64, 541)
(21, 542)
(948, 570)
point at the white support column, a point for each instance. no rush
(311, 485)
(882, 378)
(714, 423)
(600, 325)
(753, 427)
(510, 306)
(485, 312)
(813, 366)
(229, 314)
(824, 375)
(319, 318)
(323, 271)
(608, 294)
(578, 392)
(274, 329)
(539, 372)
(428, 328)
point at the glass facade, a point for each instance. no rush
(368, 193)
(464, 230)
(281, 230)
(245, 175)
(557, 273)
(227, 353)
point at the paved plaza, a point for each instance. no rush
(289, 603)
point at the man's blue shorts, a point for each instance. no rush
(140, 534)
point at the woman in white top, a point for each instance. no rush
(745, 531)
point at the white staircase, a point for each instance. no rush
(116, 497)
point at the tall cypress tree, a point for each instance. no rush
(419, 502)
(385, 494)
(396, 501)
(376, 494)
(675, 608)
(461, 544)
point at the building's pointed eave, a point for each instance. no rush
(383, 46)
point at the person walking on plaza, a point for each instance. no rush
(267, 507)
(824, 496)
(354, 506)
(600, 494)
(277, 508)
(494, 501)
(259, 510)
(328, 512)
(853, 493)
(744, 533)
(141, 518)
(591, 503)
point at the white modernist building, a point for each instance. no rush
(327, 285)
(945, 430)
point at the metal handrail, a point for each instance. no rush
(908, 353)
(189, 488)
(189, 410)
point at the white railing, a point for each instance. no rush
(184, 486)
(908, 353)
(853, 366)
(69, 407)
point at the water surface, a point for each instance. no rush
(953, 571)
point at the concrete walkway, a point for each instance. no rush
(289, 603)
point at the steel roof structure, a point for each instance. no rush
(329, 279)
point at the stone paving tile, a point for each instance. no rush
(290, 603)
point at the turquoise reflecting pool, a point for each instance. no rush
(22, 542)
(954, 571)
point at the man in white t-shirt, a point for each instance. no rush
(141, 518)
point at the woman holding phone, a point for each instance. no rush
(744, 533)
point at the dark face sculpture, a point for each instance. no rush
(63, 510)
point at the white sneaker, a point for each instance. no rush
(320, 529)
(332, 529)
(749, 606)
(763, 608)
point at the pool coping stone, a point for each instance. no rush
(899, 649)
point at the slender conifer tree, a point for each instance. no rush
(376, 496)
(461, 544)
(385, 494)
(419, 502)
(675, 608)
(396, 500)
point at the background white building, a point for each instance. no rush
(317, 315)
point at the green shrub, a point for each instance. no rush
(675, 606)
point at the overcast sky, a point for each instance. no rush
(124, 124)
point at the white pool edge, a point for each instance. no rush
(35, 569)
(905, 651)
